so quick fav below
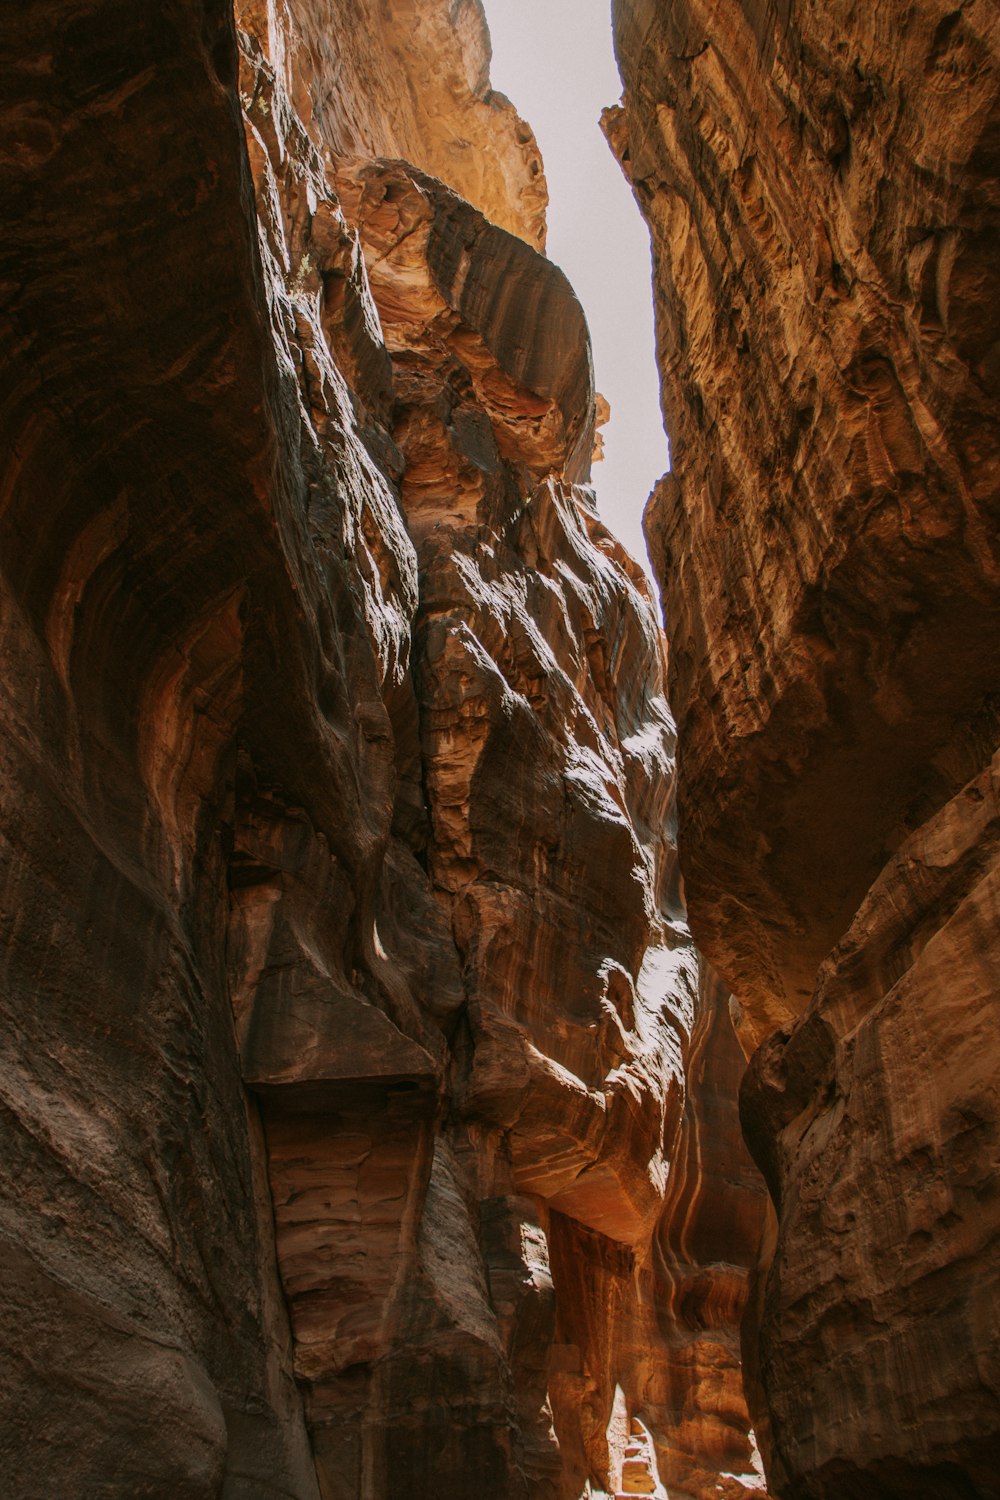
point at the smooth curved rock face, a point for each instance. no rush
(347, 992)
(145, 1345)
(821, 186)
(710, 1226)
(485, 315)
(663, 1320)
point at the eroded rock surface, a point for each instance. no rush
(409, 81)
(348, 996)
(821, 183)
(881, 1301)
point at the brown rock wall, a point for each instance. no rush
(821, 186)
(875, 1119)
(145, 1344)
(652, 1331)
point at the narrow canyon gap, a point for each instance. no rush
(371, 1119)
(556, 61)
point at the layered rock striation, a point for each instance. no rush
(348, 999)
(821, 185)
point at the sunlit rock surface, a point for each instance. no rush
(408, 80)
(821, 184)
(348, 999)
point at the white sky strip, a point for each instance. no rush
(555, 60)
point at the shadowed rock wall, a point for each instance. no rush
(347, 993)
(821, 184)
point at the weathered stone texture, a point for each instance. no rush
(347, 993)
(822, 184)
(875, 1120)
(411, 81)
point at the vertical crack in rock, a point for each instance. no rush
(821, 185)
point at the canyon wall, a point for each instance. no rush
(369, 1121)
(822, 186)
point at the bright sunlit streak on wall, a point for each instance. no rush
(555, 60)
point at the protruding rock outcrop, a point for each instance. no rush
(409, 81)
(821, 183)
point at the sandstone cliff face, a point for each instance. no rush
(875, 1119)
(821, 184)
(347, 990)
(409, 81)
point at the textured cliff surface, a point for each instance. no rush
(408, 81)
(347, 993)
(875, 1119)
(822, 184)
